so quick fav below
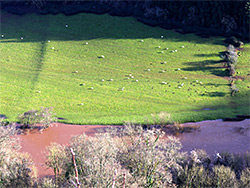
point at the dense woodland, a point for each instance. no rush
(207, 17)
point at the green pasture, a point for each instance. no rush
(52, 66)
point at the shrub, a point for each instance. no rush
(245, 178)
(16, 169)
(224, 177)
(141, 155)
(29, 119)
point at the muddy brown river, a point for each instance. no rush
(213, 136)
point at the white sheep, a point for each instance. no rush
(175, 50)
(102, 56)
(111, 79)
(48, 40)
(136, 80)
(142, 40)
(86, 43)
(178, 69)
(102, 80)
(182, 46)
(81, 104)
(21, 38)
(2, 36)
(52, 48)
(162, 37)
(66, 25)
(148, 69)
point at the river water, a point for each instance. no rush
(213, 136)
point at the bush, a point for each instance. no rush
(224, 177)
(29, 119)
(245, 178)
(16, 169)
(141, 155)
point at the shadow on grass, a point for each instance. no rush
(207, 66)
(86, 27)
(214, 94)
(38, 66)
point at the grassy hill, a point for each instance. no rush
(57, 61)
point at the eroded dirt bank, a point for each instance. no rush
(213, 136)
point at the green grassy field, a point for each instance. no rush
(39, 70)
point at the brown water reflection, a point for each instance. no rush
(213, 136)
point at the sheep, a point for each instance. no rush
(2, 36)
(86, 43)
(92, 88)
(48, 40)
(178, 69)
(66, 25)
(102, 56)
(111, 80)
(52, 48)
(132, 76)
(21, 38)
(162, 52)
(162, 37)
(148, 69)
(142, 40)
(76, 71)
(102, 80)
(182, 46)
(38, 91)
(159, 46)
(81, 104)
(136, 80)
(182, 84)
(175, 50)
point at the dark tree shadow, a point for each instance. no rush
(214, 94)
(205, 66)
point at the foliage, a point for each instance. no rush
(16, 169)
(30, 118)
